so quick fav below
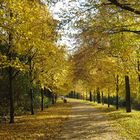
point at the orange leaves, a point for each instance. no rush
(44, 125)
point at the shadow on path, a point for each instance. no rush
(88, 123)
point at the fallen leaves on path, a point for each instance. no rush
(88, 122)
(44, 125)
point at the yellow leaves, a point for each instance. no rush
(55, 68)
(33, 32)
(43, 125)
(3, 61)
(17, 64)
(1, 12)
(29, 33)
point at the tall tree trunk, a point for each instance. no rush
(102, 98)
(83, 95)
(86, 95)
(139, 74)
(98, 96)
(71, 94)
(128, 98)
(53, 98)
(117, 92)
(108, 100)
(32, 102)
(42, 99)
(138, 69)
(77, 95)
(74, 94)
(90, 97)
(11, 95)
(94, 96)
(10, 76)
(31, 89)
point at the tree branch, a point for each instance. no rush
(125, 30)
(125, 7)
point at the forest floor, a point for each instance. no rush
(44, 125)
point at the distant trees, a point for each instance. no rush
(107, 57)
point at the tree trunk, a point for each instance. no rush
(73, 94)
(77, 96)
(83, 96)
(32, 102)
(42, 99)
(108, 101)
(31, 89)
(10, 72)
(56, 98)
(86, 95)
(139, 75)
(94, 96)
(128, 98)
(11, 96)
(53, 98)
(138, 70)
(117, 93)
(90, 97)
(98, 96)
(102, 98)
(10, 75)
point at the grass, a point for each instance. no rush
(43, 125)
(126, 124)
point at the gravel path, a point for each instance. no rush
(87, 123)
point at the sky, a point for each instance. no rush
(67, 12)
(67, 30)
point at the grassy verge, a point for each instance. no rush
(43, 125)
(126, 124)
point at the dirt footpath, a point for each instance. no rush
(87, 123)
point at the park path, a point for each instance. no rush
(88, 123)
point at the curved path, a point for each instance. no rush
(87, 123)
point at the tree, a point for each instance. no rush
(107, 47)
(24, 41)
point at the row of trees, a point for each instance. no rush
(31, 62)
(33, 65)
(107, 60)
